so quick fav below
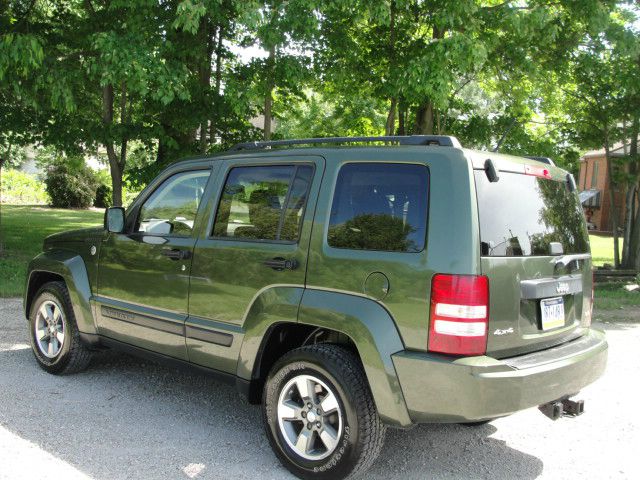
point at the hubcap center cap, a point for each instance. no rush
(311, 417)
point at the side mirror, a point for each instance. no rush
(114, 219)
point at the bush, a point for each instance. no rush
(19, 188)
(70, 188)
(104, 196)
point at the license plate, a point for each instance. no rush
(552, 310)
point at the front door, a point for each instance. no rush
(143, 274)
(258, 239)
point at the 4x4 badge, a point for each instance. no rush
(503, 331)
(562, 288)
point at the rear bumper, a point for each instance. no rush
(438, 388)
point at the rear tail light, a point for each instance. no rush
(459, 314)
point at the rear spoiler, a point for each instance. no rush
(546, 160)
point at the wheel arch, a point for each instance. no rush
(359, 323)
(67, 267)
(36, 280)
(282, 337)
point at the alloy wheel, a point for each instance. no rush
(309, 417)
(49, 329)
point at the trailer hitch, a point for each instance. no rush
(562, 408)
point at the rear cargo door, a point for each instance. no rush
(535, 251)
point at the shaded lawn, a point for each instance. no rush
(613, 296)
(610, 296)
(23, 230)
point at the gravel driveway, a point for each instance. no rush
(128, 418)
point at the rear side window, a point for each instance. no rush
(263, 202)
(380, 206)
(521, 215)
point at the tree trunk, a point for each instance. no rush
(402, 119)
(612, 209)
(628, 224)
(205, 78)
(634, 255)
(114, 163)
(213, 125)
(633, 260)
(389, 127)
(124, 120)
(204, 127)
(425, 113)
(161, 157)
(2, 160)
(424, 119)
(116, 185)
(268, 96)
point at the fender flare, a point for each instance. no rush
(367, 323)
(272, 305)
(70, 266)
(372, 329)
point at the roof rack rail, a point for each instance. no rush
(546, 160)
(441, 140)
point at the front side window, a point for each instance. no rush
(171, 209)
(263, 203)
(380, 206)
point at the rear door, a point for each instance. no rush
(258, 238)
(535, 251)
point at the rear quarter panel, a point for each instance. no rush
(452, 244)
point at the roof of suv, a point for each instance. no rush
(316, 145)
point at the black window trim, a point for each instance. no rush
(134, 215)
(241, 164)
(365, 250)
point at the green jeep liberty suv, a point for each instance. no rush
(345, 288)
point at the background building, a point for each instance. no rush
(593, 184)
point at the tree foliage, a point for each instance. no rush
(143, 83)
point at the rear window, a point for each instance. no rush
(521, 215)
(380, 206)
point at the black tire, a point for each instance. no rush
(73, 356)
(362, 434)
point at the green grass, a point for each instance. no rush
(23, 230)
(25, 227)
(602, 249)
(613, 296)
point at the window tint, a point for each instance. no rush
(263, 203)
(380, 207)
(545, 211)
(172, 208)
